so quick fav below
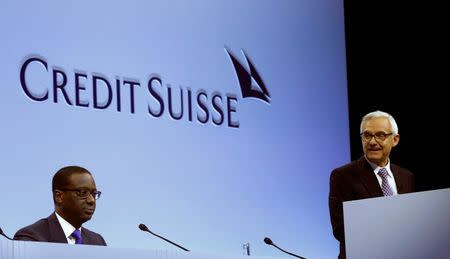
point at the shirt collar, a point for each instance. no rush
(377, 168)
(66, 226)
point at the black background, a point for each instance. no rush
(393, 63)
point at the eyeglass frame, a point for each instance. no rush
(81, 196)
(381, 136)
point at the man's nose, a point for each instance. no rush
(90, 198)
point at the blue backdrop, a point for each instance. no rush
(208, 186)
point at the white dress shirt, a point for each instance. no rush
(390, 176)
(67, 228)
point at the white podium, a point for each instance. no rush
(415, 225)
(39, 250)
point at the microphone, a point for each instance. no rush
(145, 228)
(269, 242)
(3, 234)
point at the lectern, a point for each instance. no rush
(414, 225)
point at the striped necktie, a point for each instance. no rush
(385, 187)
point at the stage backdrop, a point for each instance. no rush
(216, 123)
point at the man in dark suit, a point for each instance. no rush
(74, 196)
(373, 175)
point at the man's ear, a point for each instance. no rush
(396, 140)
(58, 196)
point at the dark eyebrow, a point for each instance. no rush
(85, 189)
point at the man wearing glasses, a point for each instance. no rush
(373, 175)
(74, 196)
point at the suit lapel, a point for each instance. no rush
(398, 179)
(56, 232)
(368, 178)
(86, 238)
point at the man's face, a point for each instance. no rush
(71, 203)
(377, 151)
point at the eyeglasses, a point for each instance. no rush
(379, 136)
(84, 194)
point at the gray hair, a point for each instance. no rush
(379, 114)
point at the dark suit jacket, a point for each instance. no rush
(355, 181)
(49, 230)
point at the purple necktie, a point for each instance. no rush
(77, 235)
(385, 187)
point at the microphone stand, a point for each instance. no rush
(269, 242)
(289, 253)
(3, 234)
(145, 228)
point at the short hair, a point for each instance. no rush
(61, 178)
(379, 114)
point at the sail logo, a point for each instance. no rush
(246, 77)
